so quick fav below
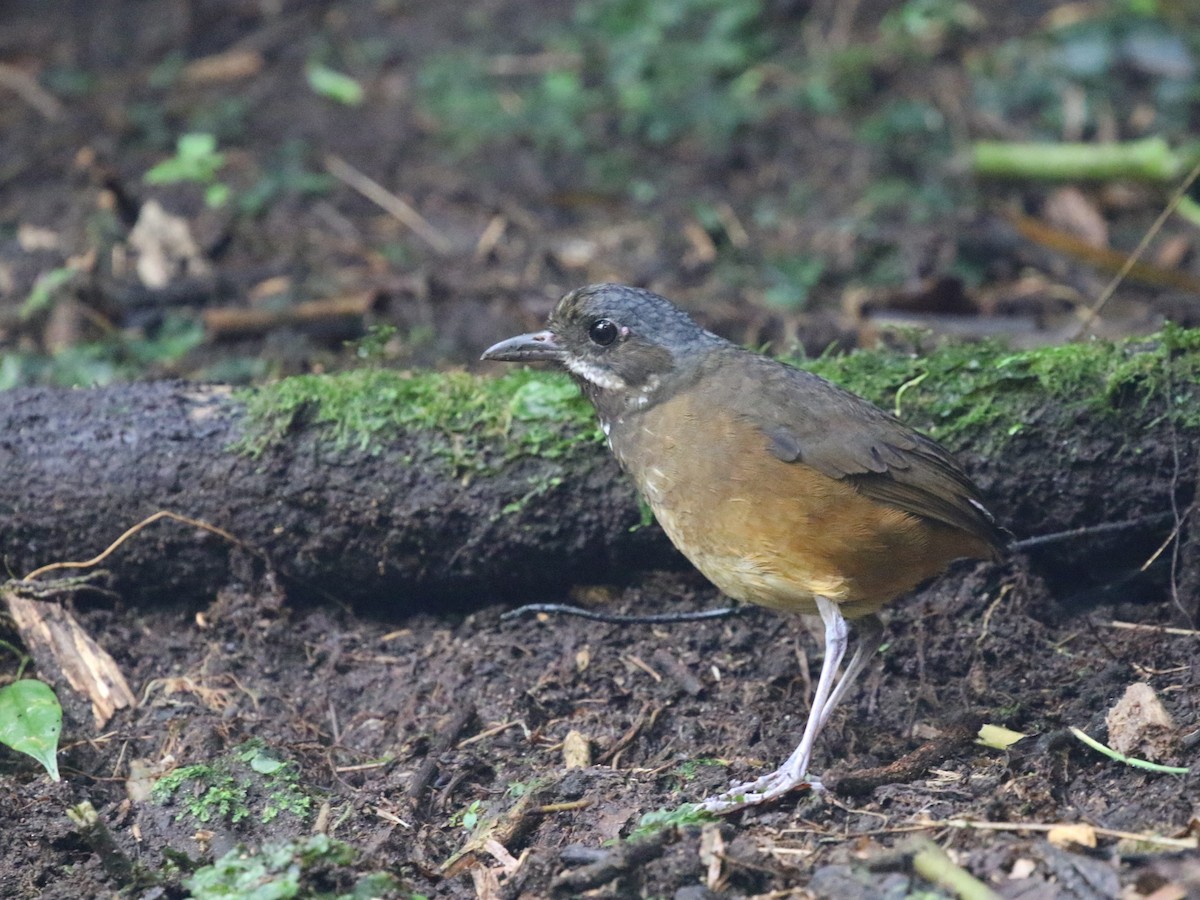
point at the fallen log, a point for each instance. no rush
(430, 491)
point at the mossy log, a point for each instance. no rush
(436, 491)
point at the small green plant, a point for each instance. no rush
(234, 786)
(196, 160)
(682, 816)
(281, 871)
(468, 817)
(333, 85)
(31, 721)
(372, 346)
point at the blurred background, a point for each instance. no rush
(232, 190)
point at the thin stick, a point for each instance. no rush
(1189, 843)
(1156, 629)
(1088, 531)
(565, 806)
(388, 202)
(563, 609)
(1167, 543)
(149, 520)
(1151, 233)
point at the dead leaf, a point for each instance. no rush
(1066, 836)
(577, 751)
(58, 643)
(712, 853)
(583, 658)
(509, 864)
(166, 248)
(487, 883)
(232, 65)
(1139, 725)
(1067, 209)
(31, 238)
(1022, 868)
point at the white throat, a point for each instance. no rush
(598, 375)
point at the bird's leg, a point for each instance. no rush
(869, 630)
(792, 773)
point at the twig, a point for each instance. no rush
(26, 87)
(691, 685)
(912, 765)
(644, 666)
(1111, 287)
(1103, 258)
(632, 732)
(443, 742)
(1089, 531)
(1188, 843)
(564, 806)
(1150, 159)
(388, 202)
(489, 732)
(1156, 629)
(224, 322)
(130, 532)
(1128, 760)
(96, 835)
(612, 864)
(563, 609)
(1179, 520)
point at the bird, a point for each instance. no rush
(782, 488)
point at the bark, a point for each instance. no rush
(397, 528)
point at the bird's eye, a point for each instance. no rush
(603, 332)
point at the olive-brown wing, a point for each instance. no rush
(808, 420)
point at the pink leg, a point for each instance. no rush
(794, 772)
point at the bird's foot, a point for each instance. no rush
(762, 790)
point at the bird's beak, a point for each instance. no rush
(535, 347)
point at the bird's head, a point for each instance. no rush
(618, 342)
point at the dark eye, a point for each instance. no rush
(603, 332)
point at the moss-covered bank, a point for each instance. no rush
(981, 393)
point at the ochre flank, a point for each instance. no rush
(776, 533)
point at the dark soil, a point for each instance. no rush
(671, 713)
(417, 736)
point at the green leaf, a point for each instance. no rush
(266, 765)
(998, 737)
(196, 159)
(334, 85)
(30, 721)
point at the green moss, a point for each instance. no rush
(303, 868)
(959, 392)
(459, 417)
(682, 816)
(248, 779)
(985, 389)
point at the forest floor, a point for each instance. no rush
(466, 755)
